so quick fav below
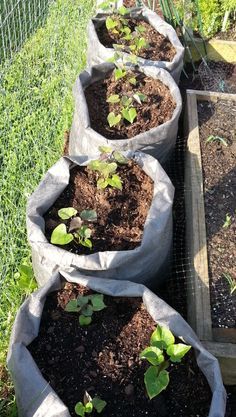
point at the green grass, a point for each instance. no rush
(36, 109)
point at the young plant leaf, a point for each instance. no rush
(87, 243)
(133, 81)
(113, 119)
(89, 408)
(129, 114)
(126, 101)
(121, 159)
(155, 382)
(84, 321)
(97, 302)
(119, 73)
(82, 300)
(84, 232)
(75, 224)
(87, 310)
(67, 212)
(213, 138)
(177, 352)
(123, 10)
(99, 404)
(114, 98)
(227, 221)
(162, 338)
(140, 28)
(72, 307)
(80, 409)
(105, 149)
(115, 182)
(89, 215)
(102, 183)
(60, 236)
(110, 23)
(139, 97)
(153, 355)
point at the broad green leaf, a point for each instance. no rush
(133, 81)
(162, 338)
(126, 30)
(140, 28)
(99, 404)
(112, 167)
(155, 382)
(123, 10)
(126, 101)
(84, 232)
(72, 307)
(89, 408)
(121, 159)
(89, 215)
(82, 300)
(129, 114)
(153, 355)
(80, 409)
(114, 98)
(102, 183)
(113, 119)
(97, 302)
(127, 37)
(105, 149)
(84, 321)
(115, 182)
(87, 310)
(67, 212)
(139, 97)
(141, 43)
(119, 73)
(110, 23)
(60, 236)
(95, 165)
(25, 278)
(177, 352)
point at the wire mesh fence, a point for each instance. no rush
(18, 20)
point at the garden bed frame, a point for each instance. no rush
(219, 341)
(217, 50)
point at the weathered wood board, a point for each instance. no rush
(220, 342)
(216, 49)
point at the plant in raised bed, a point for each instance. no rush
(86, 305)
(161, 351)
(231, 282)
(227, 222)
(78, 230)
(89, 405)
(106, 167)
(215, 138)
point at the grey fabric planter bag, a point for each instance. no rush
(34, 395)
(158, 142)
(97, 53)
(145, 264)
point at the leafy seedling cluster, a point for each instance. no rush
(86, 305)
(106, 167)
(78, 230)
(159, 354)
(89, 404)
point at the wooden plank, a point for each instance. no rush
(217, 50)
(220, 342)
(226, 355)
(199, 314)
(224, 335)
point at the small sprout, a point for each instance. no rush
(113, 120)
(133, 81)
(114, 98)
(227, 222)
(119, 73)
(106, 168)
(213, 138)
(231, 282)
(139, 97)
(123, 10)
(89, 404)
(129, 114)
(86, 305)
(162, 350)
(110, 23)
(78, 231)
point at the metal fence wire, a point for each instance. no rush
(18, 20)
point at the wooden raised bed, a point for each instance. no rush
(219, 341)
(217, 50)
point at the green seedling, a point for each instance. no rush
(227, 221)
(89, 404)
(159, 354)
(86, 305)
(78, 231)
(213, 138)
(126, 108)
(231, 282)
(106, 167)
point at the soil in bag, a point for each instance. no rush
(159, 47)
(103, 359)
(121, 214)
(156, 109)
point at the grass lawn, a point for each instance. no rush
(36, 108)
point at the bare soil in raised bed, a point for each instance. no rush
(103, 359)
(120, 214)
(156, 110)
(159, 49)
(219, 171)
